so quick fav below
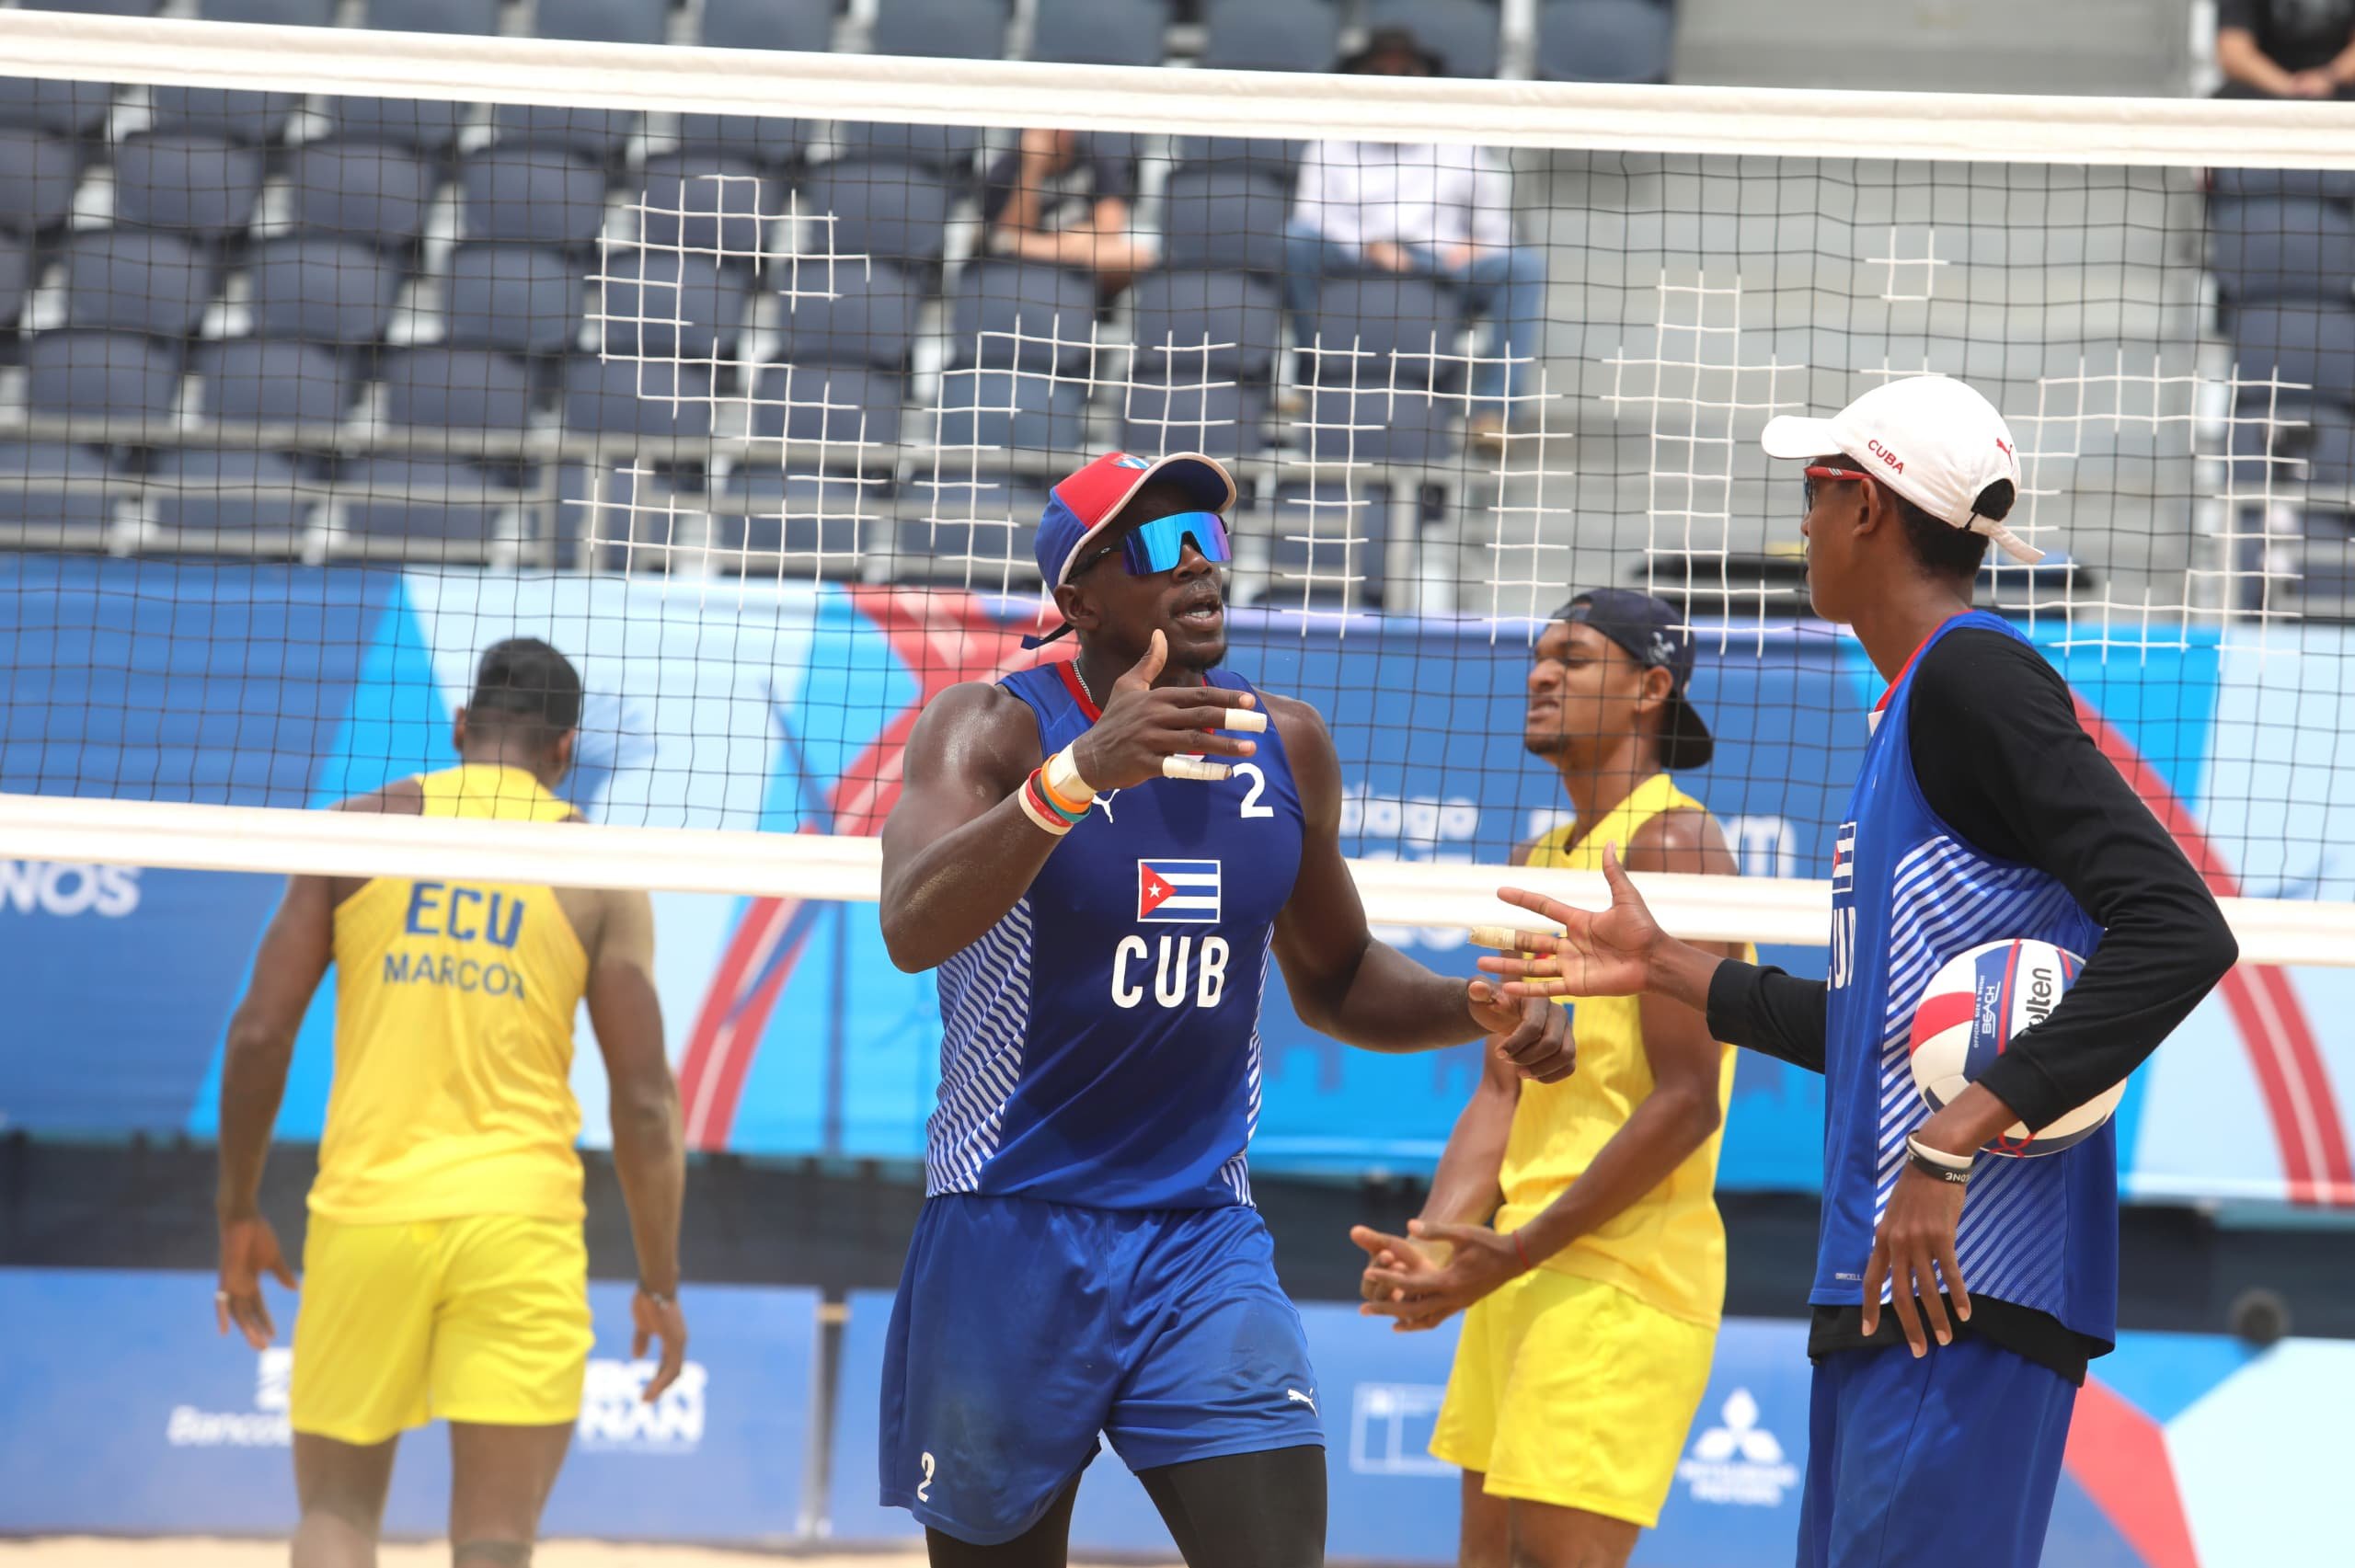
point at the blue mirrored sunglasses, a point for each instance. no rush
(1159, 545)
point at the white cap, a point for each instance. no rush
(1930, 438)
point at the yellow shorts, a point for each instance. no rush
(1573, 1392)
(482, 1319)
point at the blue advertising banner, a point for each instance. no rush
(129, 1414)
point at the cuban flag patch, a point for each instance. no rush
(1180, 891)
(1844, 859)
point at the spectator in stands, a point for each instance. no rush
(2286, 49)
(1435, 212)
(1065, 197)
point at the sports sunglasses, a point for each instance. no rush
(1157, 546)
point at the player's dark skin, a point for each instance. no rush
(958, 852)
(1860, 570)
(500, 1475)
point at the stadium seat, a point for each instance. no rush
(2264, 249)
(274, 13)
(13, 277)
(103, 375)
(1270, 35)
(850, 314)
(1270, 156)
(1022, 316)
(597, 134)
(664, 304)
(463, 18)
(94, 8)
(2311, 185)
(429, 127)
(1221, 219)
(767, 145)
(1177, 313)
(947, 149)
(37, 512)
(364, 191)
(857, 207)
(642, 22)
(1463, 33)
(708, 205)
(652, 399)
(817, 520)
(1385, 331)
(315, 288)
(451, 502)
(237, 500)
(1370, 424)
(804, 24)
(1325, 546)
(78, 110)
(233, 114)
(940, 30)
(1100, 32)
(199, 185)
(544, 196)
(1183, 412)
(979, 553)
(1005, 410)
(260, 381)
(137, 281)
(2310, 345)
(854, 406)
(515, 299)
(1604, 40)
(457, 389)
(38, 173)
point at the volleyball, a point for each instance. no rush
(1976, 1005)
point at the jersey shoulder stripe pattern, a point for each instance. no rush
(1237, 1173)
(985, 1016)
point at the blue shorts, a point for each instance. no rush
(1025, 1328)
(1950, 1462)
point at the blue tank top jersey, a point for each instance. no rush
(1908, 894)
(1100, 1045)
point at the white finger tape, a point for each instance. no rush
(1251, 721)
(1193, 768)
(1497, 936)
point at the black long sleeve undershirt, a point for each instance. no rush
(2001, 759)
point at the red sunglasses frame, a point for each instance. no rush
(1815, 471)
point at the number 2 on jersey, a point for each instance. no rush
(1251, 807)
(924, 1489)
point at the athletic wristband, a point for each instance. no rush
(1065, 788)
(1034, 805)
(1946, 1167)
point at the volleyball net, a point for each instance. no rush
(742, 378)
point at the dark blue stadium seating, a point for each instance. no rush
(598, 134)
(941, 30)
(2312, 185)
(439, 498)
(1270, 35)
(805, 25)
(1604, 40)
(1319, 535)
(1206, 351)
(639, 22)
(198, 184)
(766, 511)
(767, 145)
(427, 126)
(652, 399)
(95, 8)
(515, 299)
(461, 390)
(121, 376)
(364, 191)
(528, 195)
(1022, 316)
(949, 149)
(1100, 32)
(37, 512)
(137, 281)
(62, 109)
(1385, 331)
(14, 267)
(981, 554)
(708, 205)
(842, 403)
(848, 313)
(1375, 424)
(38, 171)
(2312, 345)
(319, 289)
(236, 500)
(1218, 218)
(1463, 33)
(1006, 410)
(2267, 248)
(275, 12)
(1185, 413)
(266, 381)
(668, 306)
(1272, 157)
(475, 17)
(893, 212)
(233, 114)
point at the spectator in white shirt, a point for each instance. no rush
(1442, 212)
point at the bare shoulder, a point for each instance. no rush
(977, 728)
(402, 798)
(1297, 722)
(1680, 840)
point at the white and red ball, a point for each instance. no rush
(1976, 1004)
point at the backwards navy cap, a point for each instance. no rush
(1654, 635)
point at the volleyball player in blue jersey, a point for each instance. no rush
(1101, 857)
(1983, 812)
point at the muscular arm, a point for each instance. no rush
(1681, 1111)
(1465, 1189)
(649, 1153)
(294, 954)
(1343, 982)
(958, 852)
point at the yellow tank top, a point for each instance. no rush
(1667, 1248)
(455, 1002)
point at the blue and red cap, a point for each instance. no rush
(1081, 508)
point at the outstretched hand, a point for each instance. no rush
(1597, 952)
(1144, 726)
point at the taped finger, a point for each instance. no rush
(1193, 768)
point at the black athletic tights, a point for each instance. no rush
(1263, 1510)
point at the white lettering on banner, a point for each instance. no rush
(1390, 1429)
(1766, 846)
(67, 888)
(1737, 1462)
(1417, 821)
(615, 1416)
(264, 1427)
